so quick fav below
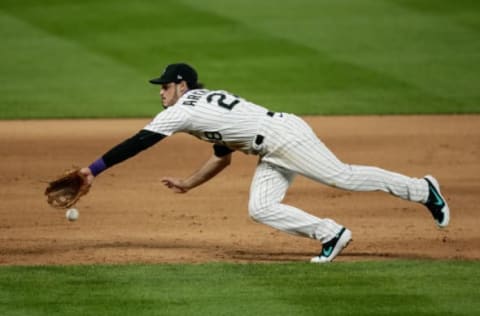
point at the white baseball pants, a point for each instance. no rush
(291, 147)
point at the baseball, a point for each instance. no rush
(72, 214)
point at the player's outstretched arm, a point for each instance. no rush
(125, 150)
(207, 171)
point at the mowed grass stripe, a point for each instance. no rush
(427, 49)
(46, 76)
(464, 12)
(361, 288)
(278, 67)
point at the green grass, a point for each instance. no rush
(362, 288)
(65, 58)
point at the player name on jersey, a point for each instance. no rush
(192, 97)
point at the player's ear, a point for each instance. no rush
(183, 86)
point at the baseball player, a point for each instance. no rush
(286, 146)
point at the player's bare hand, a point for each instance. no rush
(87, 175)
(175, 184)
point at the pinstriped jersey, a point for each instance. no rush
(214, 116)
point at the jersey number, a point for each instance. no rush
(219, 98)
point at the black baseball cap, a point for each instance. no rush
(176, 73)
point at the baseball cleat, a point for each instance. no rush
(333, 247)
(436, 203)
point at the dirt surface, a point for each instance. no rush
(129, 217)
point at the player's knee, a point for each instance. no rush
(256, 210)
(253, 210)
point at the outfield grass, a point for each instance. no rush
(361, 288)
(66, 58)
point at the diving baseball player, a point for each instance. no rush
(286, 146)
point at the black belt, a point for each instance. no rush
(259, 138)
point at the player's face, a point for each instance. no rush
(169, 94)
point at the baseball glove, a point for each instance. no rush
(67, 189)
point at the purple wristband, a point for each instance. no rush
(97, 166)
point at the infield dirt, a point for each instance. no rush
(129, 217)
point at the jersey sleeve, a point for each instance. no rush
(169, 121)
(130, 147)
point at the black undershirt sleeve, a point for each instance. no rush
(132, 146)
(221, 150)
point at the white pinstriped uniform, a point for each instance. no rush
(289, 147)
